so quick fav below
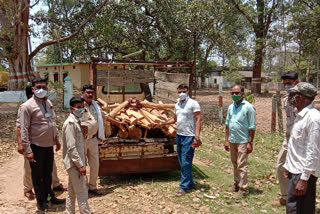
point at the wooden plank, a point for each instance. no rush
(170, 86)
(167, 94)
(181, 78)
(103, 81)
(126, 73)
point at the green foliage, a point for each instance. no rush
(233, 76)
(249, 96)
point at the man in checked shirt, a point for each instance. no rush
(303, 158)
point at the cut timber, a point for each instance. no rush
(135, 132)
(157, 106)
(114, 112)
(124, 117)
(149, 116)
(135, 114)
(133, 120)
(123, 132)
(144, 123)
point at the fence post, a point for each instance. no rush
(279, 110)
(220, 104)
(273, 114)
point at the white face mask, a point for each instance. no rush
(288, 87)
(40, 93)
(78, 112)
(183, 96)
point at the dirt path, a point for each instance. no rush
(11, 188)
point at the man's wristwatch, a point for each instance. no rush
(197, 138)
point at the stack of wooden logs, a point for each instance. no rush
(137, 118)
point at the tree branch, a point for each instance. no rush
(35, 4)
(244, 14)
(268, 22)
(51, 42)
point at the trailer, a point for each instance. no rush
(151, 80)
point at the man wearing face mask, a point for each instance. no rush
(74, 158)
(188, 118)
(289, 80)
(240, 130)
(39, 134)
(92, 122)
(302, 163)
(27, 180)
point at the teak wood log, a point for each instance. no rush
(150, 116)
(155, 105)
(115, 111)
(135, 114)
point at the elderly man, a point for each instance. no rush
(39, 134)
(240, 130)
(303, 158)
(27, 181)
(92, 121)
(289, 80)
(188, 118)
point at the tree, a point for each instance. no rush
(14, 22)
(259, 14)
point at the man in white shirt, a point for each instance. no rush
(303, 158)
(187, 115)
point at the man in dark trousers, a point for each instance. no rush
(39, 134)
(303, 157)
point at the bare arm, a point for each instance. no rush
(251, 135)
(197, 116)
(226, 143)
(19, 141)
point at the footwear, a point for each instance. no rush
(94, 192)
(43, 206)
(241, 194)
(280, 202)
(59, 188)
(55, 200)
(233, 188)
(30, 195)
(180, 193)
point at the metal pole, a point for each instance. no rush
(273, 114)
(220, 103)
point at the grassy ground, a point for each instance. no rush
(154, 193)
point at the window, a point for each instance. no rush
(55, 68)
(130, 88)
(74, 67)
(115, 67)
(55, 77)
(62, 67)
(215, 81)
(46, 68)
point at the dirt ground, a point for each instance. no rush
(11, 166)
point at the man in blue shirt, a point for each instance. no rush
(188, 118)
(240, 129)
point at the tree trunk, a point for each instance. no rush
(19, 64)
(257, 66)
(205, 64)
(308, 69)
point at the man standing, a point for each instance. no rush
(289, 80)
(74, 158)
(39, 134)
(302, 162)
(188, 118)
(240, 130)
(92, 121)
(27, 181)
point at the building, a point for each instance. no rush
(215, 77)
(78, 72)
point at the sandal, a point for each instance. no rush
(180, 193)
(30, 195)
